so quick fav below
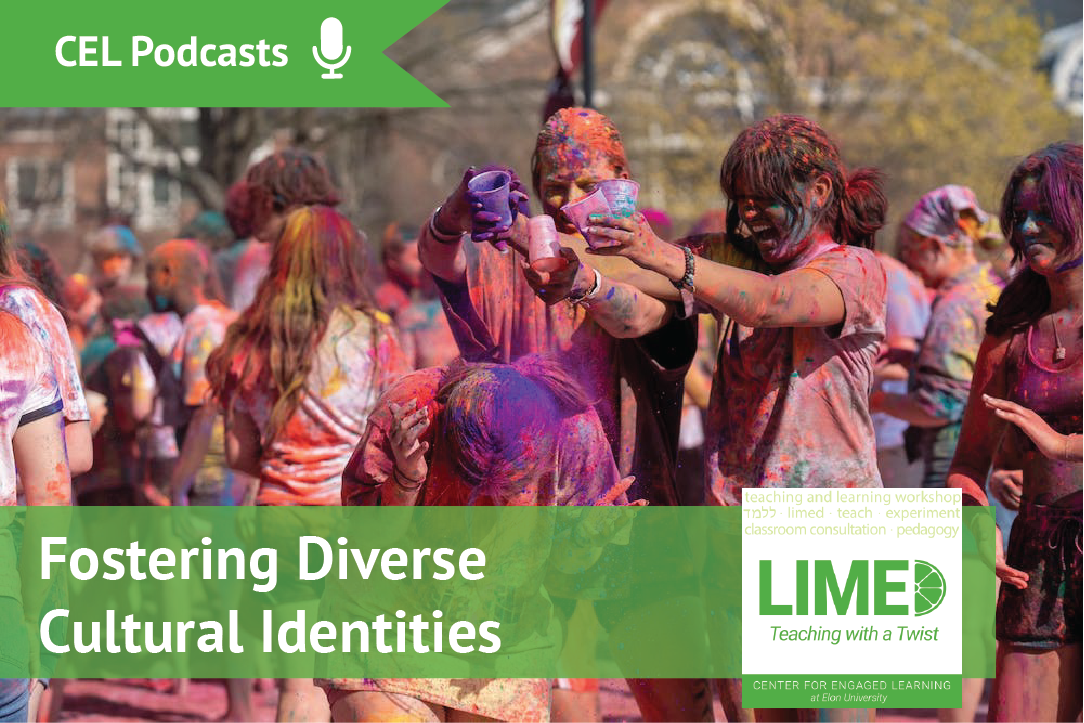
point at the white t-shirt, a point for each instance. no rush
(47, 326)
(28, 391)
(357, 359)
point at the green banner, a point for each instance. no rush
(207, 53)
(481, 592)
(852, 691)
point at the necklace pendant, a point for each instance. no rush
(1059, 354)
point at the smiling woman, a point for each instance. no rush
(1029, 373)
(800, 342)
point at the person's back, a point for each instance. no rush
(144, 401)
(31, 452)
(48, 327)
(202, 330)
(353, 363)
(28, 391)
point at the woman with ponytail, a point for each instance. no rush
(1027, 393)
(298, 374)
(475, 434)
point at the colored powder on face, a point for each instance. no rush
(574, 138)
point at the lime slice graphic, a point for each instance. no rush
(929, 588)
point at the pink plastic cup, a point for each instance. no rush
(544, 246)
(621, 194)
(491, 188)
(580, 212)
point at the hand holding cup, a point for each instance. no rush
(496, 197)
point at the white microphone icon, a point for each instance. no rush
(331, 46)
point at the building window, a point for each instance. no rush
(142, 166)
(162, 191)
(41, 192)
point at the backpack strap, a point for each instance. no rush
(154, 358)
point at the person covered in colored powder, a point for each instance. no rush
(181, 279)
(497, 315)
(82, 302)
(937, 243)
(1029, 373)
(20, 297)
(279, 394)
(475, 434)
(31, 456)
(790, 399)
(297, 375)
(114, 251)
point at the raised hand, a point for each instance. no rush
(556, 286)
(487, 226)
(408, 424)
(632, 238)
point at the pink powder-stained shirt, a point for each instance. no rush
(252, 266)
(790, 406)
(391, 298)
(203, 330)
(47, 326)
(358, 358)
(28, 391)
(945, 363)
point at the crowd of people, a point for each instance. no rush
(259, 359)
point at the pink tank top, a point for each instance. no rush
(1054, 392)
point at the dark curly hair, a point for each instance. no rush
(776, 154)
(282, 181)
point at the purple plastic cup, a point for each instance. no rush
(621, 194)
(580, 212)
(491, 190)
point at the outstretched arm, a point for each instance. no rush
(1064, 447)
(803, 297)
(624, 311)
(440, 242)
